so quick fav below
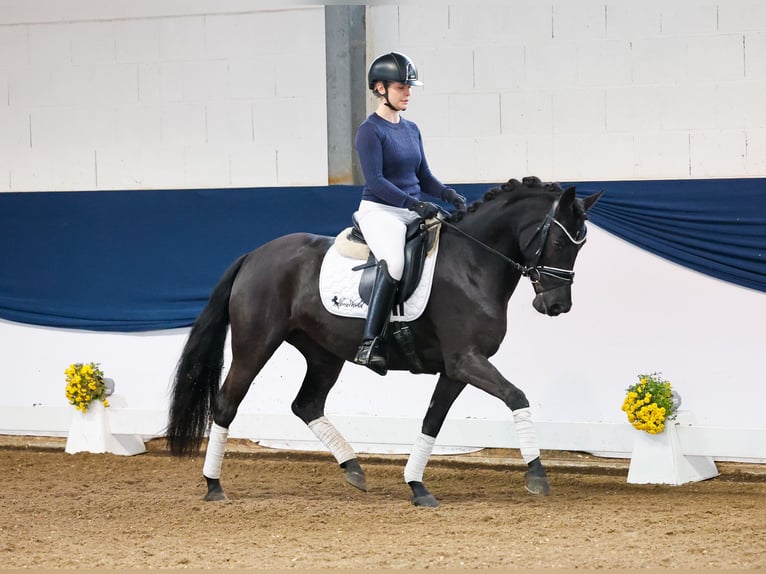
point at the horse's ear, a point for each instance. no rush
(568, 196)
(588, 202)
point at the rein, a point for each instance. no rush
(534, 271)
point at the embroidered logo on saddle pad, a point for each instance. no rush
(339, 281)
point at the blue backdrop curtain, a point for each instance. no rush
(147, 260)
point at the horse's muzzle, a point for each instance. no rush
(553, 302)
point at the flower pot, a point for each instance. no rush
(90, 432)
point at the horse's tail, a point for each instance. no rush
(198, 373)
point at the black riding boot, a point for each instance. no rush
(372, 352)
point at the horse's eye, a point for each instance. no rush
(558, 244)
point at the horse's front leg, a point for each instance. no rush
(476, 370)
(445, 393)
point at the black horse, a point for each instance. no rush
(270, 295)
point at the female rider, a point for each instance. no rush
(396, 175)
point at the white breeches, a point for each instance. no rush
(385, 228)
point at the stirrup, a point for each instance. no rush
(371, 354)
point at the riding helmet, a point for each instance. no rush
(393, 67)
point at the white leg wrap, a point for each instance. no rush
(216, 447)
(416, 463)
(525, 430)
(332, 439)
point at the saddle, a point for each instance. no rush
(420, 239)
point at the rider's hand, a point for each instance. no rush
(425, 209)
(458, 201)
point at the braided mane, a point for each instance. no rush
(527, 183)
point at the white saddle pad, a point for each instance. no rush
(339, 287)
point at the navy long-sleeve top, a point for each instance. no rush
(393, 162)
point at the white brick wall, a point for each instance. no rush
(152, 97)
(163, 95)
(588, 89)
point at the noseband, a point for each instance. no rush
(535, 271)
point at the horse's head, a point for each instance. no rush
(550, 249)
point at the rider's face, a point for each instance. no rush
(398, 94)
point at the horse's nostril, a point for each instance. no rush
(557, 309)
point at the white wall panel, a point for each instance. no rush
(501, 158)
(604, 63)
(540, 159)
(658, 60)
(579, 111)
(254, 165)
(464, 119)
(425, 25)
(229, 122)
(54, 168)
(715, 154)
(689, 18)
(14, 134)
(14, 45)
(527, 112)
(55, 127)
(447, 69)
(183, 123)
(252, 78)
(551, 64)
(100, 79)
(584, 19)
(629, 20)
(430, 111)
(575, 155)
(139, 124)
(499, 68)
(92, 42)
(756, 151)
(207, 165)
(137, 40)
(664, 154)
(49, 45)
(688, 107)
(755, 55)
(182, 38)
(633, 109)
(299, 160)
(715, 58)
(738, 15)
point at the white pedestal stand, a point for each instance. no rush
(659, 459)
(90, 432)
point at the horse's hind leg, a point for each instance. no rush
(445, 393)
(245, 366)
(322, 370)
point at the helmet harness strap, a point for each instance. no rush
(388, 103)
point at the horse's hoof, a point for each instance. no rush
(537, 484)
(357, 479)
(215, 496)
(354, 474)
(214, 491)
(426, 501)
(421, 496)
(535, 479)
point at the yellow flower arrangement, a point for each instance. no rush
(649, 403)
(85, 384)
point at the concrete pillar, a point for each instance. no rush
(345, 48)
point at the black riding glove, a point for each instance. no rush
(425, 209)
(458, 201)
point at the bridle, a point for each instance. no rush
(535, 271)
